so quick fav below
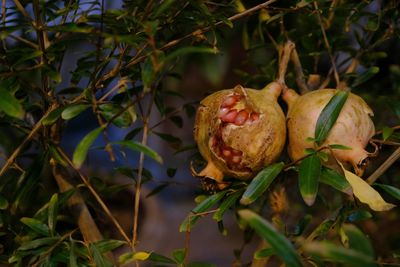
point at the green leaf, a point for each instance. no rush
(206, 204)
(99, 259)
(121, 117)
(72, 255)
(179, 255)
(260, 183)
(36, 226)
(173, 141)
(82, 148)
(73, 111)
(56, 155)
(36, 243)
(3, 203)
(28, 56)
(387, 132)
(358, 240)
(52, 213)
(226, 204)
(335, 180)
(282, 246)
(329, 115)
(366, 76)
(107, 245)
(359, 215)
(334, 253)
(339, 146)
(10, 105)
(53, 116)
(309, 172)
(160, 258)
(136, 146)
(264, 253)
(391, 190)
(148, 74)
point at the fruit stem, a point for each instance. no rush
(283, 63)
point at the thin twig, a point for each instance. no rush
(300, 80)
(85, 180)
(328, 47)
(18, 150)
(384, 166)
(203, 30)
(22, 9)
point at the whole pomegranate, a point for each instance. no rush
(353, 127)
(241, 130)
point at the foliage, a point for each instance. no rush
(64, 62)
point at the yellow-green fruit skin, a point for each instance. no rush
(353, 127)
(261, 141)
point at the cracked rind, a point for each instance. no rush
(261, 141)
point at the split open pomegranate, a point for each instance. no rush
(241, 130)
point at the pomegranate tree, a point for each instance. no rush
(241, 130)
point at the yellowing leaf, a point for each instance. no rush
(365, 193)
(142, 256)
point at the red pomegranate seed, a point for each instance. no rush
(230, 116)
(236, 159)
(241, 118)
(226, 152)
(230, 101)
(254, 116)
(237, 152)
(222, 112)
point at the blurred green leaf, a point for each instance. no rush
(3, 203)
(72, 255)
(73, 111)
(365, 76)
(36, 226)
(179, 255)
(206, 204)
(301, 226)
(10, 105)
(260, 183)
(329, 115)
(99, 259)
(36, 243)
(189, 50)
(226, 204)
(56, 155)
(339, 146)
(333, 253)
(359, 215)
(82, 148)
(133, 256)
(157, 189)
(107, 245)
(136, 146)
(335, 180)
(53, 116)
(358, 240)
(121, 117)
(52, 213)
(309, 173)
(173, 141)
(282, 246)
(387, 132)
(391, 190)
(28, 56)
(160, 258)
(264, 253)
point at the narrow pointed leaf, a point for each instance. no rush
(358, 240)
(283, 247)
(36, 226)
(329, 115)
(334, 253)
(391, 190)
(82, 148)
(309, 172)
(53, 116)
(73, 111)
(206, 204)
(99, 259)
(135, 146)
(52, 213)
(260, 183)
(46, 241)
(3, 203)
(335, 180)
(108, 244)
(10, 105)
(365, 193)
(226, 204)
(72, 255)
(264, 253)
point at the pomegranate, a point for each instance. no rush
(353, 127)
(241, 130)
